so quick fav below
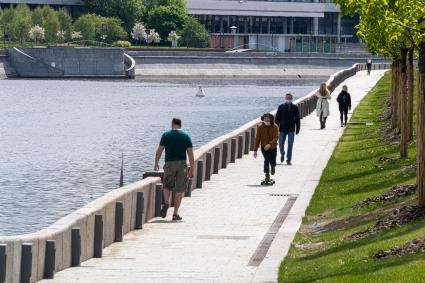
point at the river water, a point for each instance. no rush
(61, 141)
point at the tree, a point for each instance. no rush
(129, 11)
(173, 37)
(36, 33)
(194, 34)
(50, 23)
(109, 29)
(153, 37)
(407, 16)
(65, 22)
(6, 19)
(164, 19)
(37, 17)
(86, 25)
(139, 32)
(76, 35)
(21, 22)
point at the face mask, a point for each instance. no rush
(266, 123)
(288, 100)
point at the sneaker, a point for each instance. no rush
(177, 217)
(282, 158)
(273, 170)
(164, 210)
(288, 162)
(342, 125)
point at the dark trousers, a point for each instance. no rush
(322, 121)
(269, 159)
(343, 116)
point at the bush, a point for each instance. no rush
(194, 34)
(122, 43)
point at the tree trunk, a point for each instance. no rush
(410, 91)
(420, 129)
(403, 107)
(395, 92)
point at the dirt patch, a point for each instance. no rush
(398, 217)
(388, 134)
(308, 246)
(407, 170)
(396, 192)
(346, 222)
(412, 247)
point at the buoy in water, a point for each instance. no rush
(201, 92)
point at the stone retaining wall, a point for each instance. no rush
(64, 62)
(78, 237)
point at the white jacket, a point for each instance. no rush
(322, 106)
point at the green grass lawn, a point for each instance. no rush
(353, 174)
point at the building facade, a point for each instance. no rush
(296, 26)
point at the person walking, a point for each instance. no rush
(322, 106)
(176, 174)
(344, 102)
(288, 120)
(369, 66)
(266, 137)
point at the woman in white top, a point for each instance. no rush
(322, 106)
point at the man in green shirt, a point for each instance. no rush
(176, 144)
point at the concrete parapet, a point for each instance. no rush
(84, 219)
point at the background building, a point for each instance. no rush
(298, 25)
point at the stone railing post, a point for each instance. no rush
(224, 155)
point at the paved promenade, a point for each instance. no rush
(228, 225)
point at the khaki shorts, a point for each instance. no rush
(175, 176)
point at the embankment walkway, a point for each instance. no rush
(232, 228)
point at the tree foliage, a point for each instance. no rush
(194, 34)
(86, 26)
(165, 19)
(129, 11)
(21, 22)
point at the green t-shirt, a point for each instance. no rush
(176, 143)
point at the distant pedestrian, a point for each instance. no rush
(176, 174)
(344, 102)
(322, 106)
(288, 120)
(369, 66)
(266, 138)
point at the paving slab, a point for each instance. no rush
(225, 222)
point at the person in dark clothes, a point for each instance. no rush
(344, 102)
(266, 139)
(369, 66)
(288, 120)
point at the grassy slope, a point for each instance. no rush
(352, 174)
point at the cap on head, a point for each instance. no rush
(289, 95)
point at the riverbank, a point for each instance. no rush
(336, 242)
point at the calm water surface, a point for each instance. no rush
(61, 141)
